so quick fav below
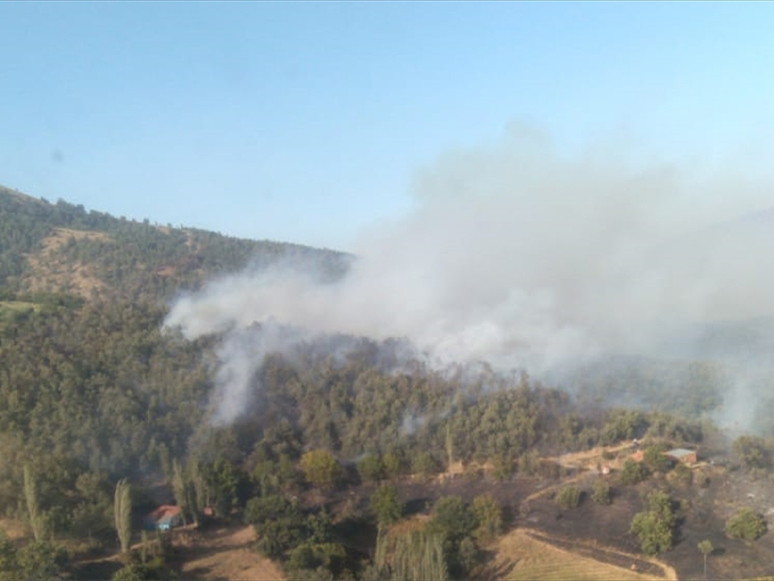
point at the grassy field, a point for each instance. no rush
(520, 557)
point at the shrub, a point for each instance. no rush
(746, 525)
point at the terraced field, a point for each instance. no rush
(521, 555)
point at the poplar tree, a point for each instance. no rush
(37, 521)
(122, 507)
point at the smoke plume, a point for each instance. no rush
(519, 257)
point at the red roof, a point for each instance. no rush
(164, 511)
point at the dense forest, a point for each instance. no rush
(95, 392)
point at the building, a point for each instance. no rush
(165, 517)
(682, 455)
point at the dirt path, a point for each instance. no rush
(584, 462)
(227, 554)
(588, 458)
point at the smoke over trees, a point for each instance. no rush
(521, 258)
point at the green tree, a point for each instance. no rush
(449, 443)
(319, 527)
(600, 492)
(705, 548)
(386, 505)
(412, 556)
(424, 464)
(279, 523)
(632, 472)
(92, 515)
(308, 557)
(40, 560)
(37, 519)
(502, 466)
(392, 465)
(132, 571)
(258, 510)
(9, 566)
(568, 497)
(451, 518)
(370, 468)
(122, 507)
(745, 524)
(180, 489)
(488, 515)
(753, 451)
(653, 457)
(320, 468)
(655, 528)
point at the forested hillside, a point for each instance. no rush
(63, 248)
(94, 390)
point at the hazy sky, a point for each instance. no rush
(307, 122)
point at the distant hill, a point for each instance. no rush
(62, 248)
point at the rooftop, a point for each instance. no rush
(680, 452)
(164, 511)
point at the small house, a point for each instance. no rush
(682, 455)
(638, 456)
(164, 518)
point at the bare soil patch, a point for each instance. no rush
(14, 529)
(50, 272)
(224, 553)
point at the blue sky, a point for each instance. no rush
(306, 122)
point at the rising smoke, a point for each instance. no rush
(518, 257)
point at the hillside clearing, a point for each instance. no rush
(226, 553)
(50, 272)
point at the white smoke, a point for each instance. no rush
(519, 258)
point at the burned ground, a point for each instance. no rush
(601, 532)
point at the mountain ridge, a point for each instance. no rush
(61, 248)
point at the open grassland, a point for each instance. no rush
(521, 556)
